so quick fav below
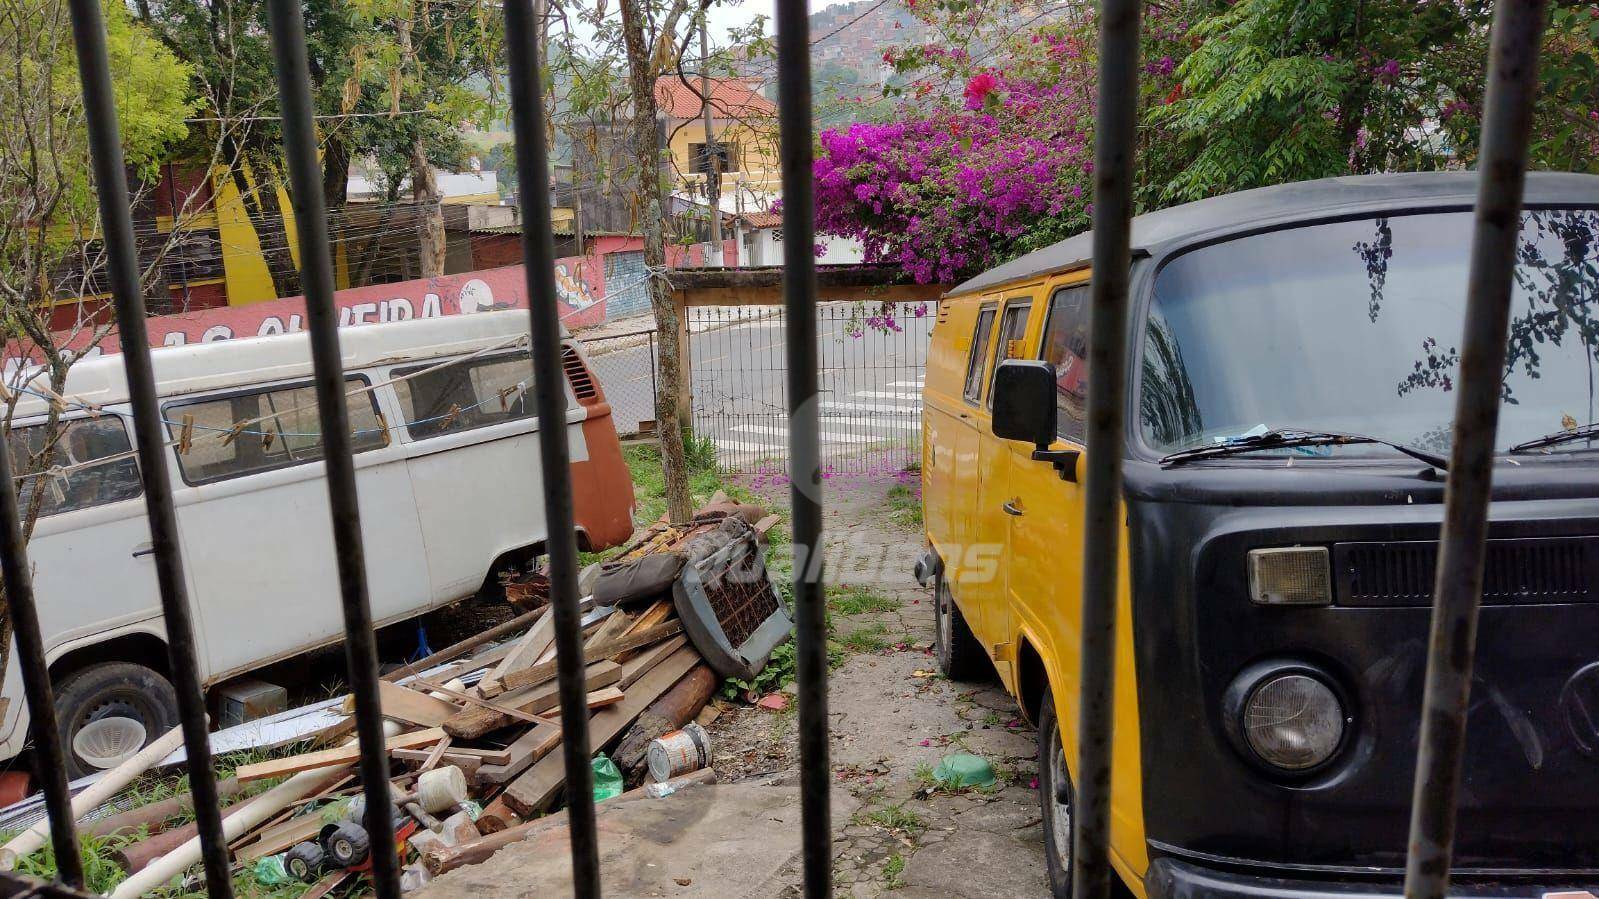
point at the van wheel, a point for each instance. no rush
(105, 703)
(960, 656)
(1055, 795)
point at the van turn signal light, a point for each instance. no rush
(1290, 576)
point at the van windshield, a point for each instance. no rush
(1355, 327)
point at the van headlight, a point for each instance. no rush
(1290, 719)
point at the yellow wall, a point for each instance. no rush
(246, 269)
(757, 150)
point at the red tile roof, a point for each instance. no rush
(730, 98)
(763, 219)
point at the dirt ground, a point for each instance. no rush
(893, 717)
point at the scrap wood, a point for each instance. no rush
(640, 665)
(535, 790)
(435, 755)
(675, 708)
(492, 706)
(347, 754)
(545, 671)
(525, 751)
(526, 650)
(486, 756)
(469, 764)
(475, 722)
(411, 706)
(281, 837)
(327, 884)
(497, 816)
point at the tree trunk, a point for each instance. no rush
(430, 213)
(672, 421)
(424, 187)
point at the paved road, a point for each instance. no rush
(870, 385)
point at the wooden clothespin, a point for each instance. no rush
(234, 432)
(186, 436)
(451, 416)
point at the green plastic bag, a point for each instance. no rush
(607, 778)
(269, 871)
(959, 770)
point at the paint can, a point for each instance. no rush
(679, 752)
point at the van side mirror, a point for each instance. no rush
(1024, 401)
(1024, 409)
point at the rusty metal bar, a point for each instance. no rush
(549, 390)
(286, 23)
(1115, 146)
(795, 157)
(122, 270)
(1457, 593)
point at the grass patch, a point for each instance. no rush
(867, 639)
(857, 601)
(894, 817)
(905, 506)
(894, 871)
(704, 478)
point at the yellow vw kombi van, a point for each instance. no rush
(1292, 362)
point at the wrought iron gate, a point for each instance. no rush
(1512, 81)
(870, 397)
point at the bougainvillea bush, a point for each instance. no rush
(987, 153)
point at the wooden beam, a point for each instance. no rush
(476, 722)
(534, 791)
(456, 650)
(410, 706)
(342, 755)
(545, 671)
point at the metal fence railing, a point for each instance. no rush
(627, 367)
(1517, 30)
(871, 360)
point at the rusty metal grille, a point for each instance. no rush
(741, 604)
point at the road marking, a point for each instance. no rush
(874, 408)
(826, 436)
(889, 395)
(917, 384)
(747, 446)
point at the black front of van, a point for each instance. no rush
(1294, 392)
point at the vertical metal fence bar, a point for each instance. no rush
(1452, 646)
(42, 724)
(122, 270)
(538, 259)
(804, 451)
(1115, 144)
(286, 23)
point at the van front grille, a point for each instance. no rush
(1516, 571)
(578, 374)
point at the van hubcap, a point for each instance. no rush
(1060, 818)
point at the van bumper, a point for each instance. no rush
(1169, 878)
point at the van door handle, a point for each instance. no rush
(145, 549)
(1012, 509)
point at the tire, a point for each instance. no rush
(348, 845)
(1054, 784)
(305, 861)
(113, 689)
(960, 656)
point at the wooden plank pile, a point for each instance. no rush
(475, 723)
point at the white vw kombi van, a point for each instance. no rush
(447, 470)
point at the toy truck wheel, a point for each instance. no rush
(304, 861)
(348, 844)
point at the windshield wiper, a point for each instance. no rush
(1586, 432)
(1286, 438)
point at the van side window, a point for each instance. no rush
(80, 441)
(974, 362)
(289, 434)
(1065, 346)
(1012, 328)
(468, 395)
